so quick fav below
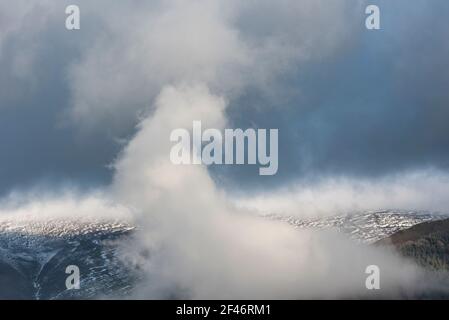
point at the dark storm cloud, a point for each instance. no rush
(377, 105)
(36, 144)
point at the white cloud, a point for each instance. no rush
(415, 190)
(202, 246)
(225, 44)
(68, 204)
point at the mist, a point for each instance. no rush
(202, 246)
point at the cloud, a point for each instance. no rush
(308, 67)
(227, 45)
(201, 246)
(81, 92)
(163, 64)
(425, 190)
(37, 205)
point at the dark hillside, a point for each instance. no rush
(427, 243)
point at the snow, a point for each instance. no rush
(365, 227)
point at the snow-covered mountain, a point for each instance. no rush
(366, 227)
(34, 253)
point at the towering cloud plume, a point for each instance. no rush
(201, 246)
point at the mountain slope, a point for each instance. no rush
(34, 255)
(427, 243)
(366, 227)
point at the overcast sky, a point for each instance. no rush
(347, 101)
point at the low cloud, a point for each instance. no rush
(426, 190)
(202, 246)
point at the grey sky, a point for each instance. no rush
(347, 101)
